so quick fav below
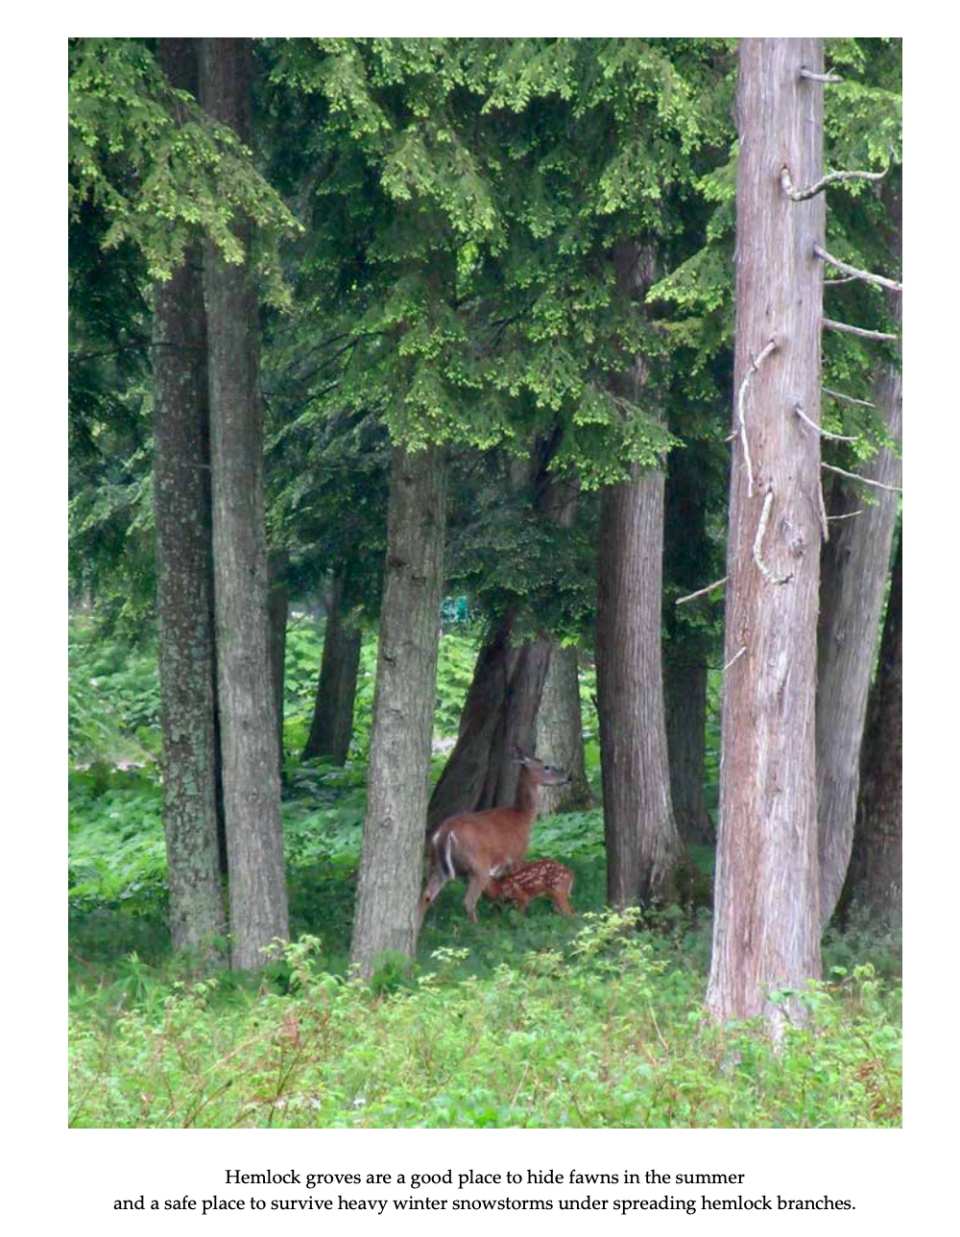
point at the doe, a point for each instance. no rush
(485, 845)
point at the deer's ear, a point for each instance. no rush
(517, 754)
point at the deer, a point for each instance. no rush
(482, 845)
(543, 877)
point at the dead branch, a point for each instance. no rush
(754, 366)
(846, 516)
(847, 329)
(798, 409)
(829, 78)
(847, 399)
(831, 178)
(735, 657)
(855, 476)
(700, 592)
(758, 545)
(854, 273)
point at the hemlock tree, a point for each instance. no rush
(875, 881)
(404, 699)
(181, 492)
(767, 923)
(854, 573)
(145, 158)
(251, 764)
(641, 835)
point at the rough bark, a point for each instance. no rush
(185, 586)
(278, 604)
(767, 918)
(641, 836)
(558, 733)
(685, 702)
(332, 726)
(876, 867)
(404, 700)
(251, 780)
(854, 570)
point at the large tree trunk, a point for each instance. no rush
(854, 570)
(499, 713)
(767, 917)
(251, 778)
(332, 727)
(876, 868)
(404, 700)
(558, 734)
(185, 586)
(685, 702)
(642, 843)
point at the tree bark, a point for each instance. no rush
(641, 836)
(251, 781)
(332, 726)
(278, 605)
(854, 569)
(876, 867)
(685, 701)
(185, 586)
(558, 733)
(404, 701)
(767, 917)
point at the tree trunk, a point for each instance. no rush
(641, 836)
(251, 780)
(185, 586)
(854, 571)
(685, 700)
(876, 868)
(558, 734)
(767, 917)
(499, 713)
(404, 701)
(278, 604)
(332, 727)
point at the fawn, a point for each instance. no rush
(543, 877)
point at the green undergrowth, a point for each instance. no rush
(520, 1020)
(600, 1027)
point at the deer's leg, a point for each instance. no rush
(475, 888)
(562, 903)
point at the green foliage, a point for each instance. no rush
(603, 1029)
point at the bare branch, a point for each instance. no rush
(846, 516)
(847, 399)
(758, 545)
(866, 276)
(831, 178)
(700, 592)
(835, 283)
(798, 409)
(847, 329)
(822, 512)
(855, 476)
(735, 657)
(829, 78)
(754, 366)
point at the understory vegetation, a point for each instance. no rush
(530, 1020)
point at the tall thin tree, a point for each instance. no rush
(767, 922)
(404, 701)
(251, 764)
(181, 493)
(642, 842)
